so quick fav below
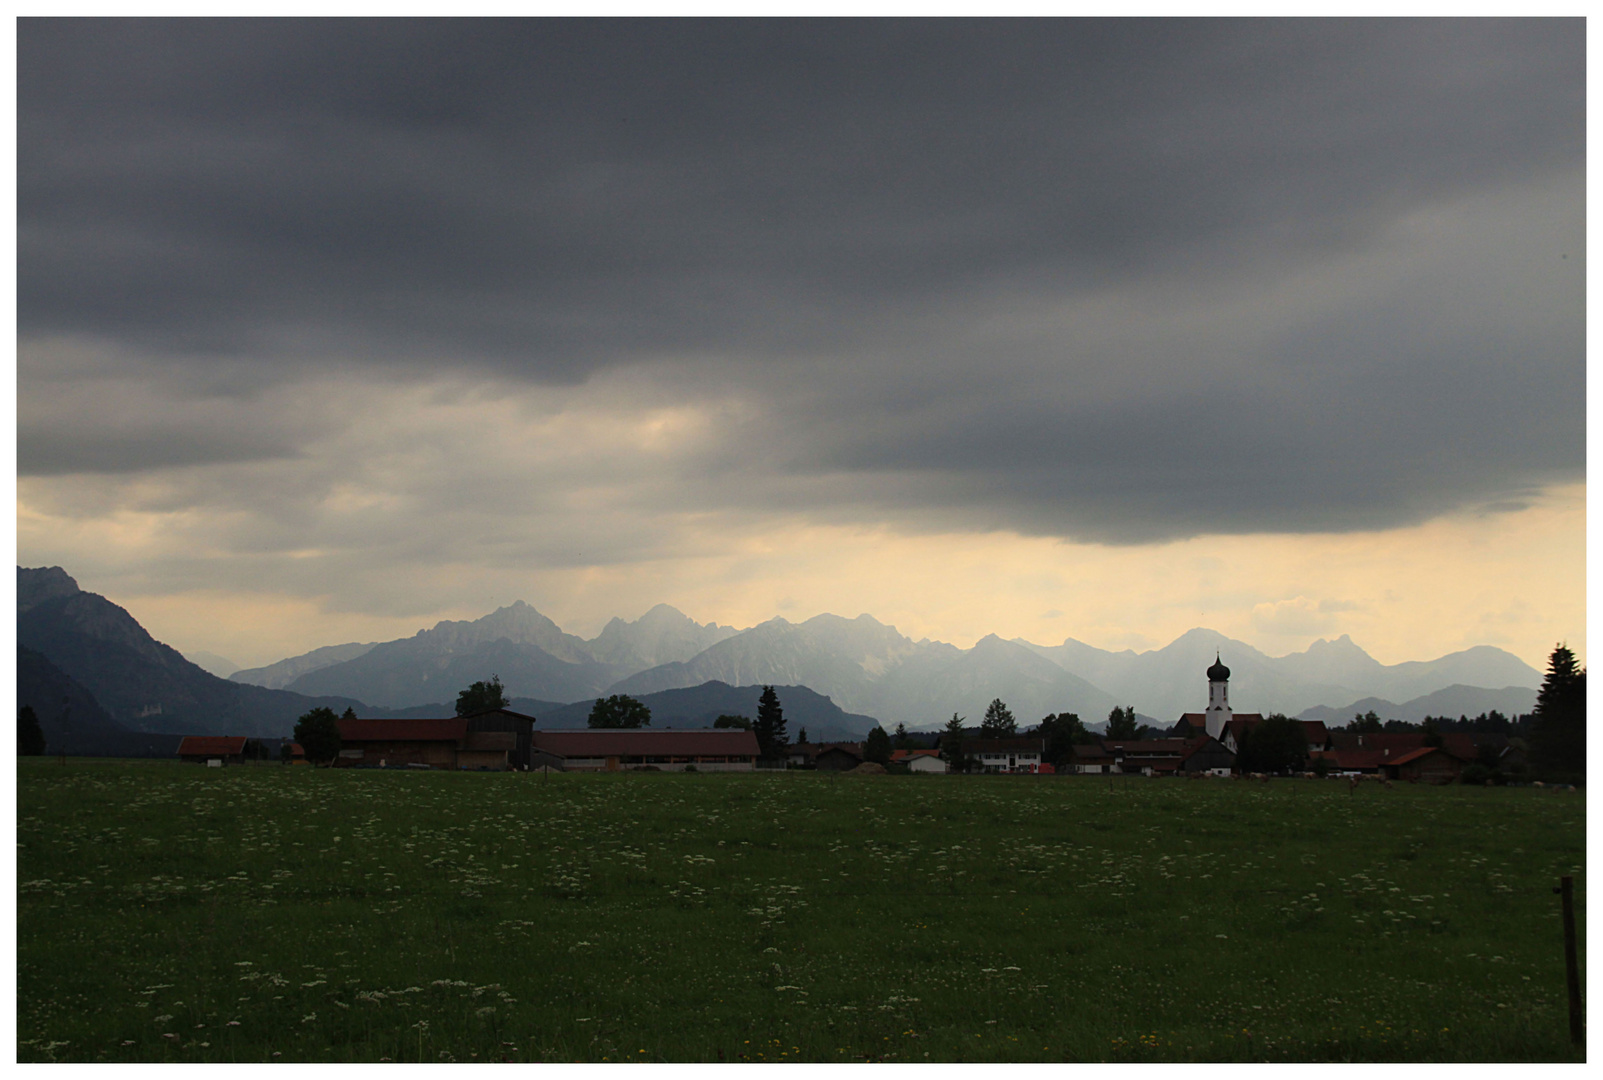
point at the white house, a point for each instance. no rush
(921, 761)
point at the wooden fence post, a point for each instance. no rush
(1572, 973)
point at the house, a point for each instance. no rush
(920, 761)
(612, 749)
(838, 757)
(296, 755)
(205, 749)
(1018, 754)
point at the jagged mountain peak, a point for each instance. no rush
(36, 585)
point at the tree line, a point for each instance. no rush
(1555, 731)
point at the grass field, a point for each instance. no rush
(175, 913)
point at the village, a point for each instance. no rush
(1199, 745)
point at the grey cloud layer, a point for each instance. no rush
(966, 269)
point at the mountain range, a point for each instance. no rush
(140, 683)
(861, 670)
(870, 669)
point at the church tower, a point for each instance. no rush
(1217, 718)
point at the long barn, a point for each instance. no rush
(722, 750)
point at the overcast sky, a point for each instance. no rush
(1100, 329)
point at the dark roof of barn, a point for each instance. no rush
(211, 745)
(1021, 745)
(444, 730)
(729, 742)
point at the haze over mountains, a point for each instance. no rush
(84, 649)
(869, 669)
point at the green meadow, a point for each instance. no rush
(176, 913)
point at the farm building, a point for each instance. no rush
(203, 749)
(838, 757)
(920, 761)
(496, 740)
(1431, 764)
(1092, 758)
(800, 755)
(715, 750)
(1207, 755)
(1021, 754)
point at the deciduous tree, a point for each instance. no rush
(1061, 731)
(1121, 723)
(482, 697)
(727, 721)
(318, 732)
(619, 711)
(1275, 745)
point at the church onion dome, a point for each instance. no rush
(1218, 673)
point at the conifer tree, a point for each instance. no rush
(770, 726)
(998, 722)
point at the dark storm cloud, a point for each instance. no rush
(819, 210)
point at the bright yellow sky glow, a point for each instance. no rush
(1515, 580)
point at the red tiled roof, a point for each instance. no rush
(721, 742)
(297, 750)
(451, 730)
(907, 755)
(211, 745)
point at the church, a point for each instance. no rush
(1218, 721)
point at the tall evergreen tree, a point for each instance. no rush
(30, 736)
(877, 746)
(1558, 734)
(900, 738)
(770, 726)
(952, 744)
(998, 722)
